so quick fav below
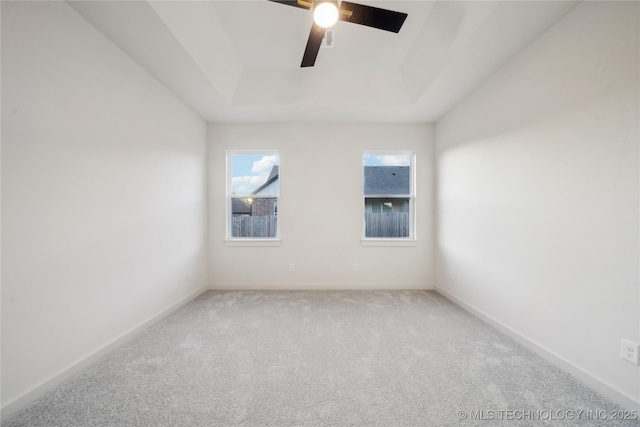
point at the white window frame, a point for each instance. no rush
(411, 240)
(250, 241)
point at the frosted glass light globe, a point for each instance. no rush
(325, 14)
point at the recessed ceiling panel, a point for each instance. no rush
(240, 60)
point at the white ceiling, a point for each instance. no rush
(240, 60)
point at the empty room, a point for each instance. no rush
(320, 212)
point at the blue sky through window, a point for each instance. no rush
(250, 171)
(387, 160)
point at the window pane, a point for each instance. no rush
(388, 194)
(392, 221)
(251, 174)
(254, 194)
(387, 174)
(254, 218)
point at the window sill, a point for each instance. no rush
(253, 242)
(389, 242)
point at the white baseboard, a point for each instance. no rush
(595, 383)
(319, 286)
(48, 385)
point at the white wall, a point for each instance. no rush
(321, 209)
(104, 188)
(537, 195)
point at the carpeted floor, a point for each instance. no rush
(320, 358)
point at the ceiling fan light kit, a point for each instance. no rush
(327, 12)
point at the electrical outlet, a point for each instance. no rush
(629, 351)
(290, 267)
(355, 267)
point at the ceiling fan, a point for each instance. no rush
(326, 13)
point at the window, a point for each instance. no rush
(381, 206)
(253, 188)
(388, 192)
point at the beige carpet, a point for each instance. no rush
(320, 358)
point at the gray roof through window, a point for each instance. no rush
(386, 180)
(239, 206)
(275, 173)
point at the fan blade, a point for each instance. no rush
(370, 16)
(294, 3)
(313, 46)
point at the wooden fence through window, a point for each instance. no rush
(254, 226)
(389, 224)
